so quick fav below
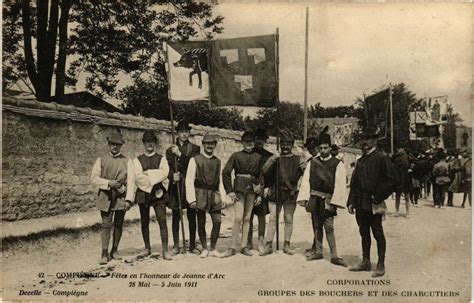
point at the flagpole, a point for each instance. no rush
(391, 117)
(277, 194)
(178, 188)
(305, 119)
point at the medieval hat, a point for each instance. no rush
(183, 125)
(208, 138)
(311, 142)
(324, 137)
(248, 136)
(287, 137)
(261, 133)
(115, 138)
(149, 135)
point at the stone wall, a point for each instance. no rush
(49, 151)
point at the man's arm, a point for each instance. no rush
(226, 175)
(189, 181)
(159, 175)
(339, 194)
(305, 189)
(387, 180)
(131, 179)
(97, 181)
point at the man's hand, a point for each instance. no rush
(176, 177)
(275, 156)
(128, 205)
(115, 184)
(175, 150)
(302, 203)
(257, 201)
(193, 204)
(350, 209)
(266, 192)
(232, 196)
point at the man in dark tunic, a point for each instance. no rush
(109, 177)
(147, 183)
(402, 165)
(323, 188)
(260, 210)
(246, 190)
(205, 192)
(290, 169)
(178, 156)
(374, 180)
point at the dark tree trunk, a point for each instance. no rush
(41, 92)
(61, 64)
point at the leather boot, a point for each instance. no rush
(287, 249)
(267, 249)
(114, 255)
(105, 257)
(379, 270)
(362, 266)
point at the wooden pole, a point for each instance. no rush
(173, 139)
(277, 194)
(305, 119)
(391, 117)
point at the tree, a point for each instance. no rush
(109, 40)
(318, 111)
(288, 117)
(51, 24)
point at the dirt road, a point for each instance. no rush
(429, 251)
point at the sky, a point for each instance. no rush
(355, 48)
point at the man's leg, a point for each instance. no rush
(106, 226)
(145, 222)
(272, 207)
(216, 219)
(436, 195)
(398, 195)
(237, 223)
(201, 220)
(317, 253)
(192, 220)
(364, 220)
(250, 235)
(443, 190)
(160, 212)
(407, 204)
(175, 230)
(379, 236)
(119, 216)
(261, 232)
(248, 207)
(288, 212)
(450, 198)
(331, 237)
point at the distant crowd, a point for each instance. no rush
(437, 172)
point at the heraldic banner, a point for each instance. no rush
(243, 72)
(188, 71)
(377, 111)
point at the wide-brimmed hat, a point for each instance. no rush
(287, 137)
(248, 136)
(149, 135)
(261, 133)
(183, 125)
(115, 138)
(370, 133)
(311, 142)
(209, 138)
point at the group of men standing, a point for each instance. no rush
(255, 181)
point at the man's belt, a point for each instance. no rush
(244, 175)
(320, 194)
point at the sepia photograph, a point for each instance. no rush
(226, 150)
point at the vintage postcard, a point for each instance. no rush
(236, 151)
